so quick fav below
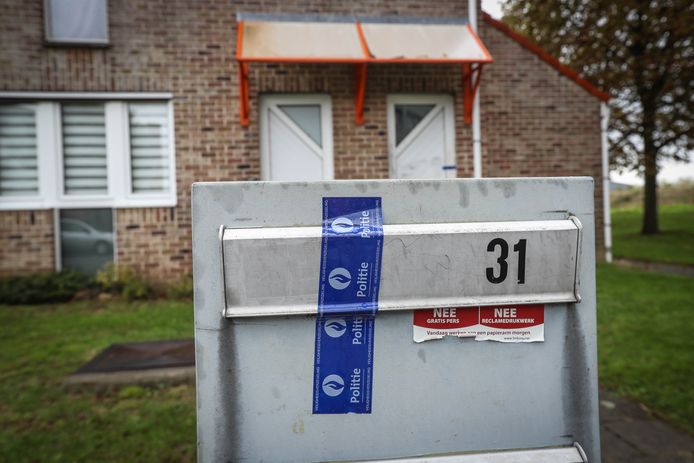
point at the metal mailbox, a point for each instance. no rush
(424, 265)
(446, 244)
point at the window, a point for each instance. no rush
(18, 155)
(84, 149)
(86, 239)
(86, 154)
(149, 147)
(407, 117)
(76, 21)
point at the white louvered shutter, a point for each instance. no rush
(18, 155)
(149, 147)
(84, 149)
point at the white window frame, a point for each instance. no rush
(147, 198)
(446, 102)
(51, 192)
(67, 201)
(44, 146)
(53, 40)
(325, 103)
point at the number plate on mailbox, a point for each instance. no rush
(275, 271)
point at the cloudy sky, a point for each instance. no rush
(670, 171)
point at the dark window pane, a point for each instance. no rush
(86, 239)
(407, 117)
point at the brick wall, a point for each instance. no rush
(536, 121)
(26, 242)
(187, 48)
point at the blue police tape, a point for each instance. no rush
(350, 275)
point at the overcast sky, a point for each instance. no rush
(493, 7)
(670, 171)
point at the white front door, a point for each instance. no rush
(296, 137)
(421, 136)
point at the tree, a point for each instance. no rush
(642, 52)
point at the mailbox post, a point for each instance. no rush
(468, 245)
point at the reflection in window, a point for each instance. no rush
(86, 239)
(407, 117)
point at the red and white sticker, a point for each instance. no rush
(503, 323)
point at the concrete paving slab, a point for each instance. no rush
(174, 375)
(629, 433)
(170, 361)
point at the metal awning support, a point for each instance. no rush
(360, 79)
(359, 92)
(472, 73)
(359, 41)
(243, 94)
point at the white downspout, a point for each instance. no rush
(476, 129)
(607, 218)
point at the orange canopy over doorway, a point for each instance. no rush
(360, 41)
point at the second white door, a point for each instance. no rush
(421, 136)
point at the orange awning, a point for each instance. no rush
(360, 41)
(425, 43)
(299, 41)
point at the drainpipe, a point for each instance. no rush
(607, 219)
(476, 129)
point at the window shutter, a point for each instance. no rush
(18, 158)
(149, 147)
(84, 149)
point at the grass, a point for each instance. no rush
(646, 351)
(646, 347)
(41, 420)
(675, 243)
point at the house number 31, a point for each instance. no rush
(499, 274)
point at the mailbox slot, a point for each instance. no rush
(275, 271)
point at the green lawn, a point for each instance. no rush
(646, 347)
(675, 244)
(646, 351)
(41, 420)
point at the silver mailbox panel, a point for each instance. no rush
(275, 271)
(254, 374)
(566, 454)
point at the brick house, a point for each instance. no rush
(109, 113)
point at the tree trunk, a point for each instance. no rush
(650, 188)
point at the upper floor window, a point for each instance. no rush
(76, 21)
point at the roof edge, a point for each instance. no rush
(546, 57)
(346, 18)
